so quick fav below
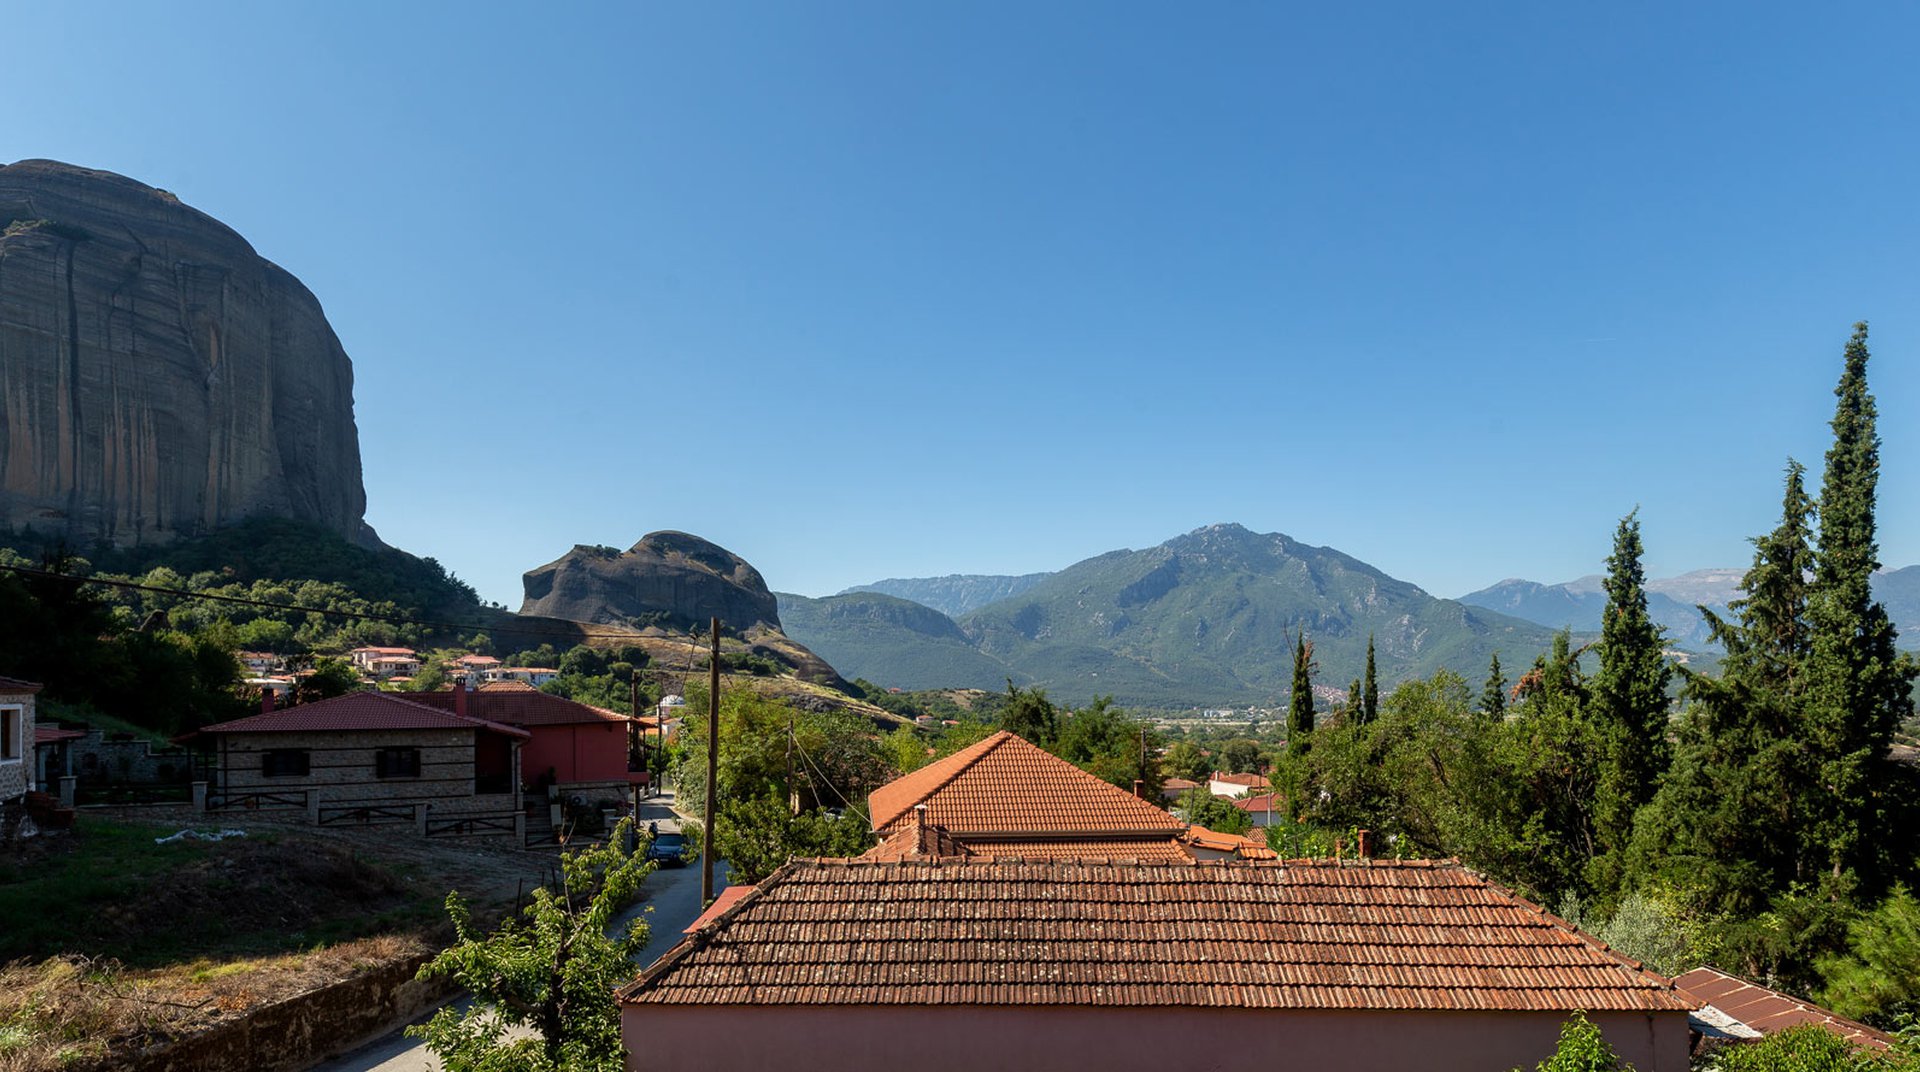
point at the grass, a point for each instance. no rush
(109, 891)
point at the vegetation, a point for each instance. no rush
(1582, 1048)
(553, 970)
(756, 837)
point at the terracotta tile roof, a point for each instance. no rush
(54, 734)
(1768, 1011)
(726, 899)
(1242, 846)
(1251, 781)
(1263, 802)
(383, 651)
(505, 686)
(1315, 935)
(1152, 849)
(912, 840)
(1178, 785)
(356, 711)
(1004, 785)
(529, 707)
(14, 684)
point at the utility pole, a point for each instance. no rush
(713, 768)
(636, 741)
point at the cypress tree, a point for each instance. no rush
(1300, 703)
(1356, 707)
(1493, 697)
(1372, 686)
(1858, 687)
(1627, 703)
(1727, 822)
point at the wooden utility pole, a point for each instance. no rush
(713, 768)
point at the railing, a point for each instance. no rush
(366, 814)
(466, 825)
(134, 793)
(255, 801)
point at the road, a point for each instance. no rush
(670, 901)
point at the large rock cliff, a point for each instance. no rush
(668, 578)
(158, 377)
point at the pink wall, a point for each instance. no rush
(990, 1039)
(595, 752)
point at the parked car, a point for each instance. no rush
(669, 850)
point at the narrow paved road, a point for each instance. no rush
(670, 901)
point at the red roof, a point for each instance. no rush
(529, 707)
(54, 734)
(14, 684)
(1309, 935)
(1768, 1011)
(1263, 802)
(357, 711)
(727, 899)
(1251, 781)
(1007, 786)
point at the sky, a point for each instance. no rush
(864, 290)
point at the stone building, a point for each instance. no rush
(16, 738)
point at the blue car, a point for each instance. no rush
(669, 850)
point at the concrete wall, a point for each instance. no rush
(594, 752)
(342, 765)
(16, 774)
(974, 1038)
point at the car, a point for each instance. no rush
(670, 850)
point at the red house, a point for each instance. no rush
(579, 748)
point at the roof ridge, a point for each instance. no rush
(984, 746)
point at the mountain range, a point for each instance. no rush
(1674, 601)
(1204, 619)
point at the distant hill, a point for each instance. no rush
(1674, 602)
(1206, 618)
(955, 594)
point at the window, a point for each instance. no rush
(284, 762)
(397, 763)
(13, 725)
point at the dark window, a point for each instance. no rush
(397, 763)
(284, 762)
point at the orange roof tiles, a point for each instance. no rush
(1313, 935)
(356, 711)
(1768, 1011)
(726, 899)
(1251, 781)
(912, 840)
(1005, 785)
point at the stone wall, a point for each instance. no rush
(98, 759)
(293, 1034)
(16, 775)
(342, 766)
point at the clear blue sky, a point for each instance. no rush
(880, 289)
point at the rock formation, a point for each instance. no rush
(668, 578)
(158, 377)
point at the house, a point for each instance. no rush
(1236, 785)
(1733, 1009)
(581, 749)
(262, 663)
(1206, 845)
(1263, 810)
(16, 739)
(993, 963)
(472, 669)
(526, 675)
(1004, 796)
(1174, 788)
(361, 749)
(385, 662)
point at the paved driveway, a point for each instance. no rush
(671, 901)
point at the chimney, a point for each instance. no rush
(1140, 788)
(459, 696)
(1366, 844)
(919, 829)
(266, 699)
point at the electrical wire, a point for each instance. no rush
(795, 741)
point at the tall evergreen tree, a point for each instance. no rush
(1371, 698)
(1493, 697)
(1356, 703)
(1859, 687)
(1300, 703)
(1628, 702)
(1727, 822)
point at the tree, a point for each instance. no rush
(1582, 1049)
(1810, 1048)
(1370, 699)
(1185, 760)
(553, 971)
(1108, 743)
(1202, 808)
(1859, 688)
(1300, 700)
(1030, 714)
(756, 837)
(1493, 697)
(331, 677)
(1241, 756)
(1628, 703)
(1879, 978)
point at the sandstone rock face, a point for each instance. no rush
(158, 377)
(668, 578)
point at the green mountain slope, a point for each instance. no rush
(955, 594)
(891, 641)
(1205, 618)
